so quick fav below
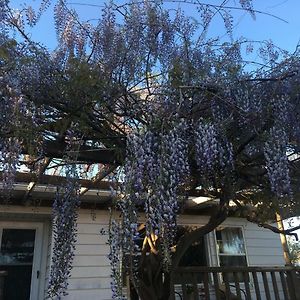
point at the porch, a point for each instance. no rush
(245, 283)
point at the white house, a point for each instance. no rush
(26, 240)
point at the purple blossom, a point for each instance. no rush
(115, 256)
(157, 163)
(65, 214)
(10, 154)
(277, 163)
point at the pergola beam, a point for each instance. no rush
(32, 184)
(97, 179)
(58, 149)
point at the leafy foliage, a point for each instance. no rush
(294, 249)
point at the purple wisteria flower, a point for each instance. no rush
(10, 154)
(65, 214)
(277, 163)
(156, 165)
(213, 153)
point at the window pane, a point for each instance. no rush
(232, 261)
(230, 241)
(17, 246)
(17, 282)
(195, 255)
(16, 257)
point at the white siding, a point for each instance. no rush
(90, 277)
(263, 247)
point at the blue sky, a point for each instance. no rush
(285, 34)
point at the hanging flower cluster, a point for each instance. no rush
(122, 232)
(10, 145)
(16, 111)
(10, 154)
(212, 151)
(156, 165)
(115, 257)
(206, 145)
(277, 164)
(168, 168)
(65, 213)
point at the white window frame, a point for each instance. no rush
(37, 254)
(245, 254)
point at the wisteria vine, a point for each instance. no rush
(213, 153)
(65, 213)
(64, 226)
(277, 163)
(194, 119)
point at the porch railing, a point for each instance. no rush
(245, 283)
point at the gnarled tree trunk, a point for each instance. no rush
(154, 282)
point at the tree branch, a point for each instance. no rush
(275, 229)
(187, 239)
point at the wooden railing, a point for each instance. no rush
(245, 283)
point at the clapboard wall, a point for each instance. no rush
(90, 277)
(263, 247)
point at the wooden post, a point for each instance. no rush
(286, 252)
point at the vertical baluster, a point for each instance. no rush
(206, 287)
(237, 284)
(216, 285)
(247, 287)
(293, 285)
(172, 293)
(183, 285)
(227, 286)
(283, 284)
(266, 285)
(195, 287)
(256, 285)
(275, 287)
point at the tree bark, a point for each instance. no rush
(150, 281)
(154, 282)
(187, 239)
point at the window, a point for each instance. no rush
(231, 248)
